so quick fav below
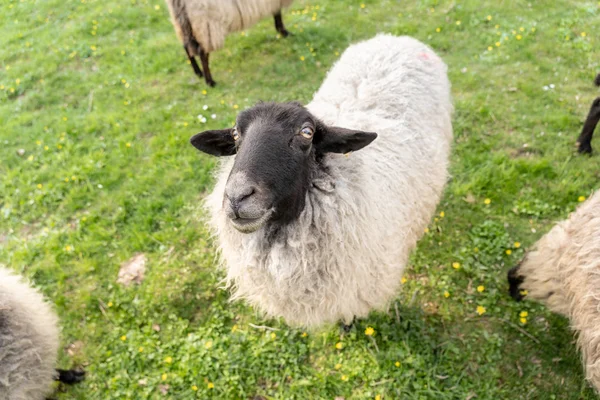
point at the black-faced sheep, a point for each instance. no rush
(562, 271)
(29, 340)
(584, 141)
(202, 25)
(310, 232)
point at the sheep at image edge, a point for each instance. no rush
(312, 234)
(562, 271)
(29, 340)
(202, 25)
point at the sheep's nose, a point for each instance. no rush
(237, 195)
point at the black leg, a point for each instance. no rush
(195, 66)
(348, 328)
(207, 75)
(279, 25)
(585, 139)
(70, 376)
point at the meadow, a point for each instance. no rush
(97, 105)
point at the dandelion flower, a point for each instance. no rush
(523, 320)
(369, 331)
(46, 148)
(17, 81)
(362, 6)
(235, 106)
(426, 230)
(442, 214)
(480, 288)
(39, 186)
(521, 29)
(517, 245)
(163, 377)
(508, 252)
(339, 345)
(481, 310)
(68, 248)
(490, 48)
(455, 265)
(301, 58)
(338, 366)
(208, 344)
(457, 22)
(498, 44)
(523, 314)
(194, 388)
(378, 397)
(273, 335)
(523, 292)
(110, 304)
(487, 201)
(204, 91)
(210, 385)
(141, 349)
(304, 334)
(581, 198)
(344, 378)
(489, 17)
(169, 360)
(446, 294)
(403, 280)
(123, 338)
(438, 29)
(397, 363)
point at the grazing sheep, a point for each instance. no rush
(584, 141)
(563, 272)
(202, 25)
(310, 232)
(28, 342)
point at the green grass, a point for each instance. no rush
(100, 99)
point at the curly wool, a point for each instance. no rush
(29, 340)
(211, 20)
(346, 253)
(563, 272)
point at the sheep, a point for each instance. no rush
(310, 232)
(202, 25)
(29, 340)
(562, 271)
(584, 142)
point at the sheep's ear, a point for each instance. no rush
(332, 139)
(216, 143)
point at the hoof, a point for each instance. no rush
(584, 148)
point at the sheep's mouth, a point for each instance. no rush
(249, 225)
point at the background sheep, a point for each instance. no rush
(29, 340)
(315, 236)
(202, 25)
(585, 138)
(563, 272)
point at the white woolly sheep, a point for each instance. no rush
(562, 271)
(309, 232)
(584, 142)
(28, 342)
(202, 25)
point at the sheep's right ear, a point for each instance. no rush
(217, 143)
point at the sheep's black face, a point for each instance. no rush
(514, 281)
(276, 147)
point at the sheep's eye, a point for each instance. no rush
(235, 134)
(307, 132)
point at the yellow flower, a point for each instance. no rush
(523, 292)
(110, 304)
(273, 335)
(59, 146)
(46, 147)
(523, 314)
(581, 198)
(123, 338)
(66, 179)
(30, 158)
(426, 230)
(497, 26)
(194, 388)
(157, 7)
(489, 17)
(337, 53)
(204, 91)
(208, 344)
(234, 328)
(128, 144)
(517, 245)
(523, 320)
(508, 252)
(369, 331)
(362, 6)
(490, 48)
(39, 143)
(304, 334)
(339, 345)
(403, 280)
(17, 81)
(73, 177)
(457, 22)
(521, 29)
(39, 186)
(338, 366)
(235, 106)
(442, 214)
(481, 310)
(344, 378)
(169, 360)
(141, 349)
(487, 201)
(455, 265)
(519, 37)
(397, 363)
(532, 29)
(68, 248)
(378, 397)
(210, 385)
(163, 377)
(301, 58)
(480, 288)
(446, 294)
(438, 29)
(93, 48)
(498, 44)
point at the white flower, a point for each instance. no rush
(200, 116)
(213, 116)
(100, 186)
(205, 107)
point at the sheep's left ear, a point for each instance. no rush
(216, 143)
(332, 139)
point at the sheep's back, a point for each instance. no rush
(28, 341)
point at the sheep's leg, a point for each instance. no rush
(279, 25)
(70, 376)
(207, 75)
(585, 139)
(195, 66)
